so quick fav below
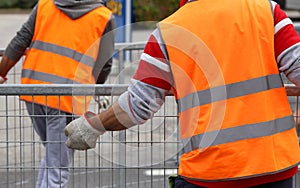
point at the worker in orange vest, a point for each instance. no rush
(66, 42)
(222, 60)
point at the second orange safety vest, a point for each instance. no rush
(63, 51)
(235, 118)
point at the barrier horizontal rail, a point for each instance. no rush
(85, 89)
(62, 89)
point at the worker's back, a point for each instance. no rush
(64, 51)
(235, 118)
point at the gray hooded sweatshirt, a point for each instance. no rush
(77, 8)
(73, 9)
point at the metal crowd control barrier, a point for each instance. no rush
(139, 157)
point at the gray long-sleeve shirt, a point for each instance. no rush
(74, 9)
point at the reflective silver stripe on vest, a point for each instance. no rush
(67, 52)
(229, 91)
(243, 132)
(46, 77)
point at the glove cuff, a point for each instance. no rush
(2, 79)
(98, 127)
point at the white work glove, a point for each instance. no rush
(81, 134)
(2, 79)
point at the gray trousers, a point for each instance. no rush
(49, 124)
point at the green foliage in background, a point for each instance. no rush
(153, 10)
(22, 4)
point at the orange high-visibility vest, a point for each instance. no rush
(63, 51)
(235, 118)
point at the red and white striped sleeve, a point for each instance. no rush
(150, 83)
(153, 67)
(286, 45)
(285, 33)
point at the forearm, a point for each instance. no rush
(113, 119)
(5, 65)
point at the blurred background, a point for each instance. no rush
(146, 10)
